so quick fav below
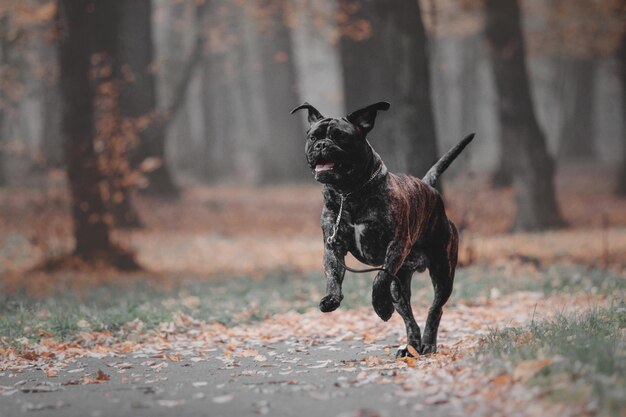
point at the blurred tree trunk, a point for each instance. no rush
(219, 115)
(470, 84)
(522, 139)
(139, 125)
(218, 155)
(235, 97)
(114, 131)
(577, 141)
(621, 57)
(138, 99)
(89, 207)
(390, 62)
(4, 104)
(503, 175)
(51, 134)
(212, 166)
(283, 157)
(52, 141)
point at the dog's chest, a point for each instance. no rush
(368, 241)
(359, 231)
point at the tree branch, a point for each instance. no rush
(194, 60)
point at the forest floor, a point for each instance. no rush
(223, 321)
(528, 343)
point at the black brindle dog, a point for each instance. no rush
(396, 221)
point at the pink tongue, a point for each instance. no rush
(324, 166)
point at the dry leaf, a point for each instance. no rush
(412, 351)
(150, 164)
(99, 378)
(248, 353)
(410, 362)
(223, 398)
(502, 380)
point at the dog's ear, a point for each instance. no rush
(364, 118)
(314, 114)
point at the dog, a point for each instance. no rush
(381, 218)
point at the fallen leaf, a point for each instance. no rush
(248, 353)
(30, 356)
(223, 398)
(124, 365)
(412, 351)
(410, 362)
(502, 380)
(101, 376)
(321, 364)
(170, 403)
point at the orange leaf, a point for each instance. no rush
(101, 376)
(412, 351)
(502, 380)
(30, 356)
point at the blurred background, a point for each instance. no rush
(154, 135)
(155, 204)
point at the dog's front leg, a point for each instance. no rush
(381, 290)
(334, 278)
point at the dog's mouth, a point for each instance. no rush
(324, 165)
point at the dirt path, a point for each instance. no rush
(288, 365)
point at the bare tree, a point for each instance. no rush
(4, 103)
(51, 135)
(283, 156)
(83, 22)
(138, 99)
(385, 56)
(621, 177)
(577, 141)
(522, 139)
(119, 131)
(91, 228)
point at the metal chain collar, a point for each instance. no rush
(330, 239)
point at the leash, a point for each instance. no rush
(379, 268)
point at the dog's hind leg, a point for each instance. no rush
(402, 304)
(442, 263)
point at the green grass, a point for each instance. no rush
(588, 353)
(233, 300)
(478, 281)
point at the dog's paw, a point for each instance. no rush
(330, 303)
(406, 351)
(426, 349)
(381, 299)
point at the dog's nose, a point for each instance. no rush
(320, 146)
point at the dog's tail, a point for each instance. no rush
(442, 164)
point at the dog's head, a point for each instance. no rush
(336, 148)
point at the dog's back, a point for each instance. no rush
(416, 207)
